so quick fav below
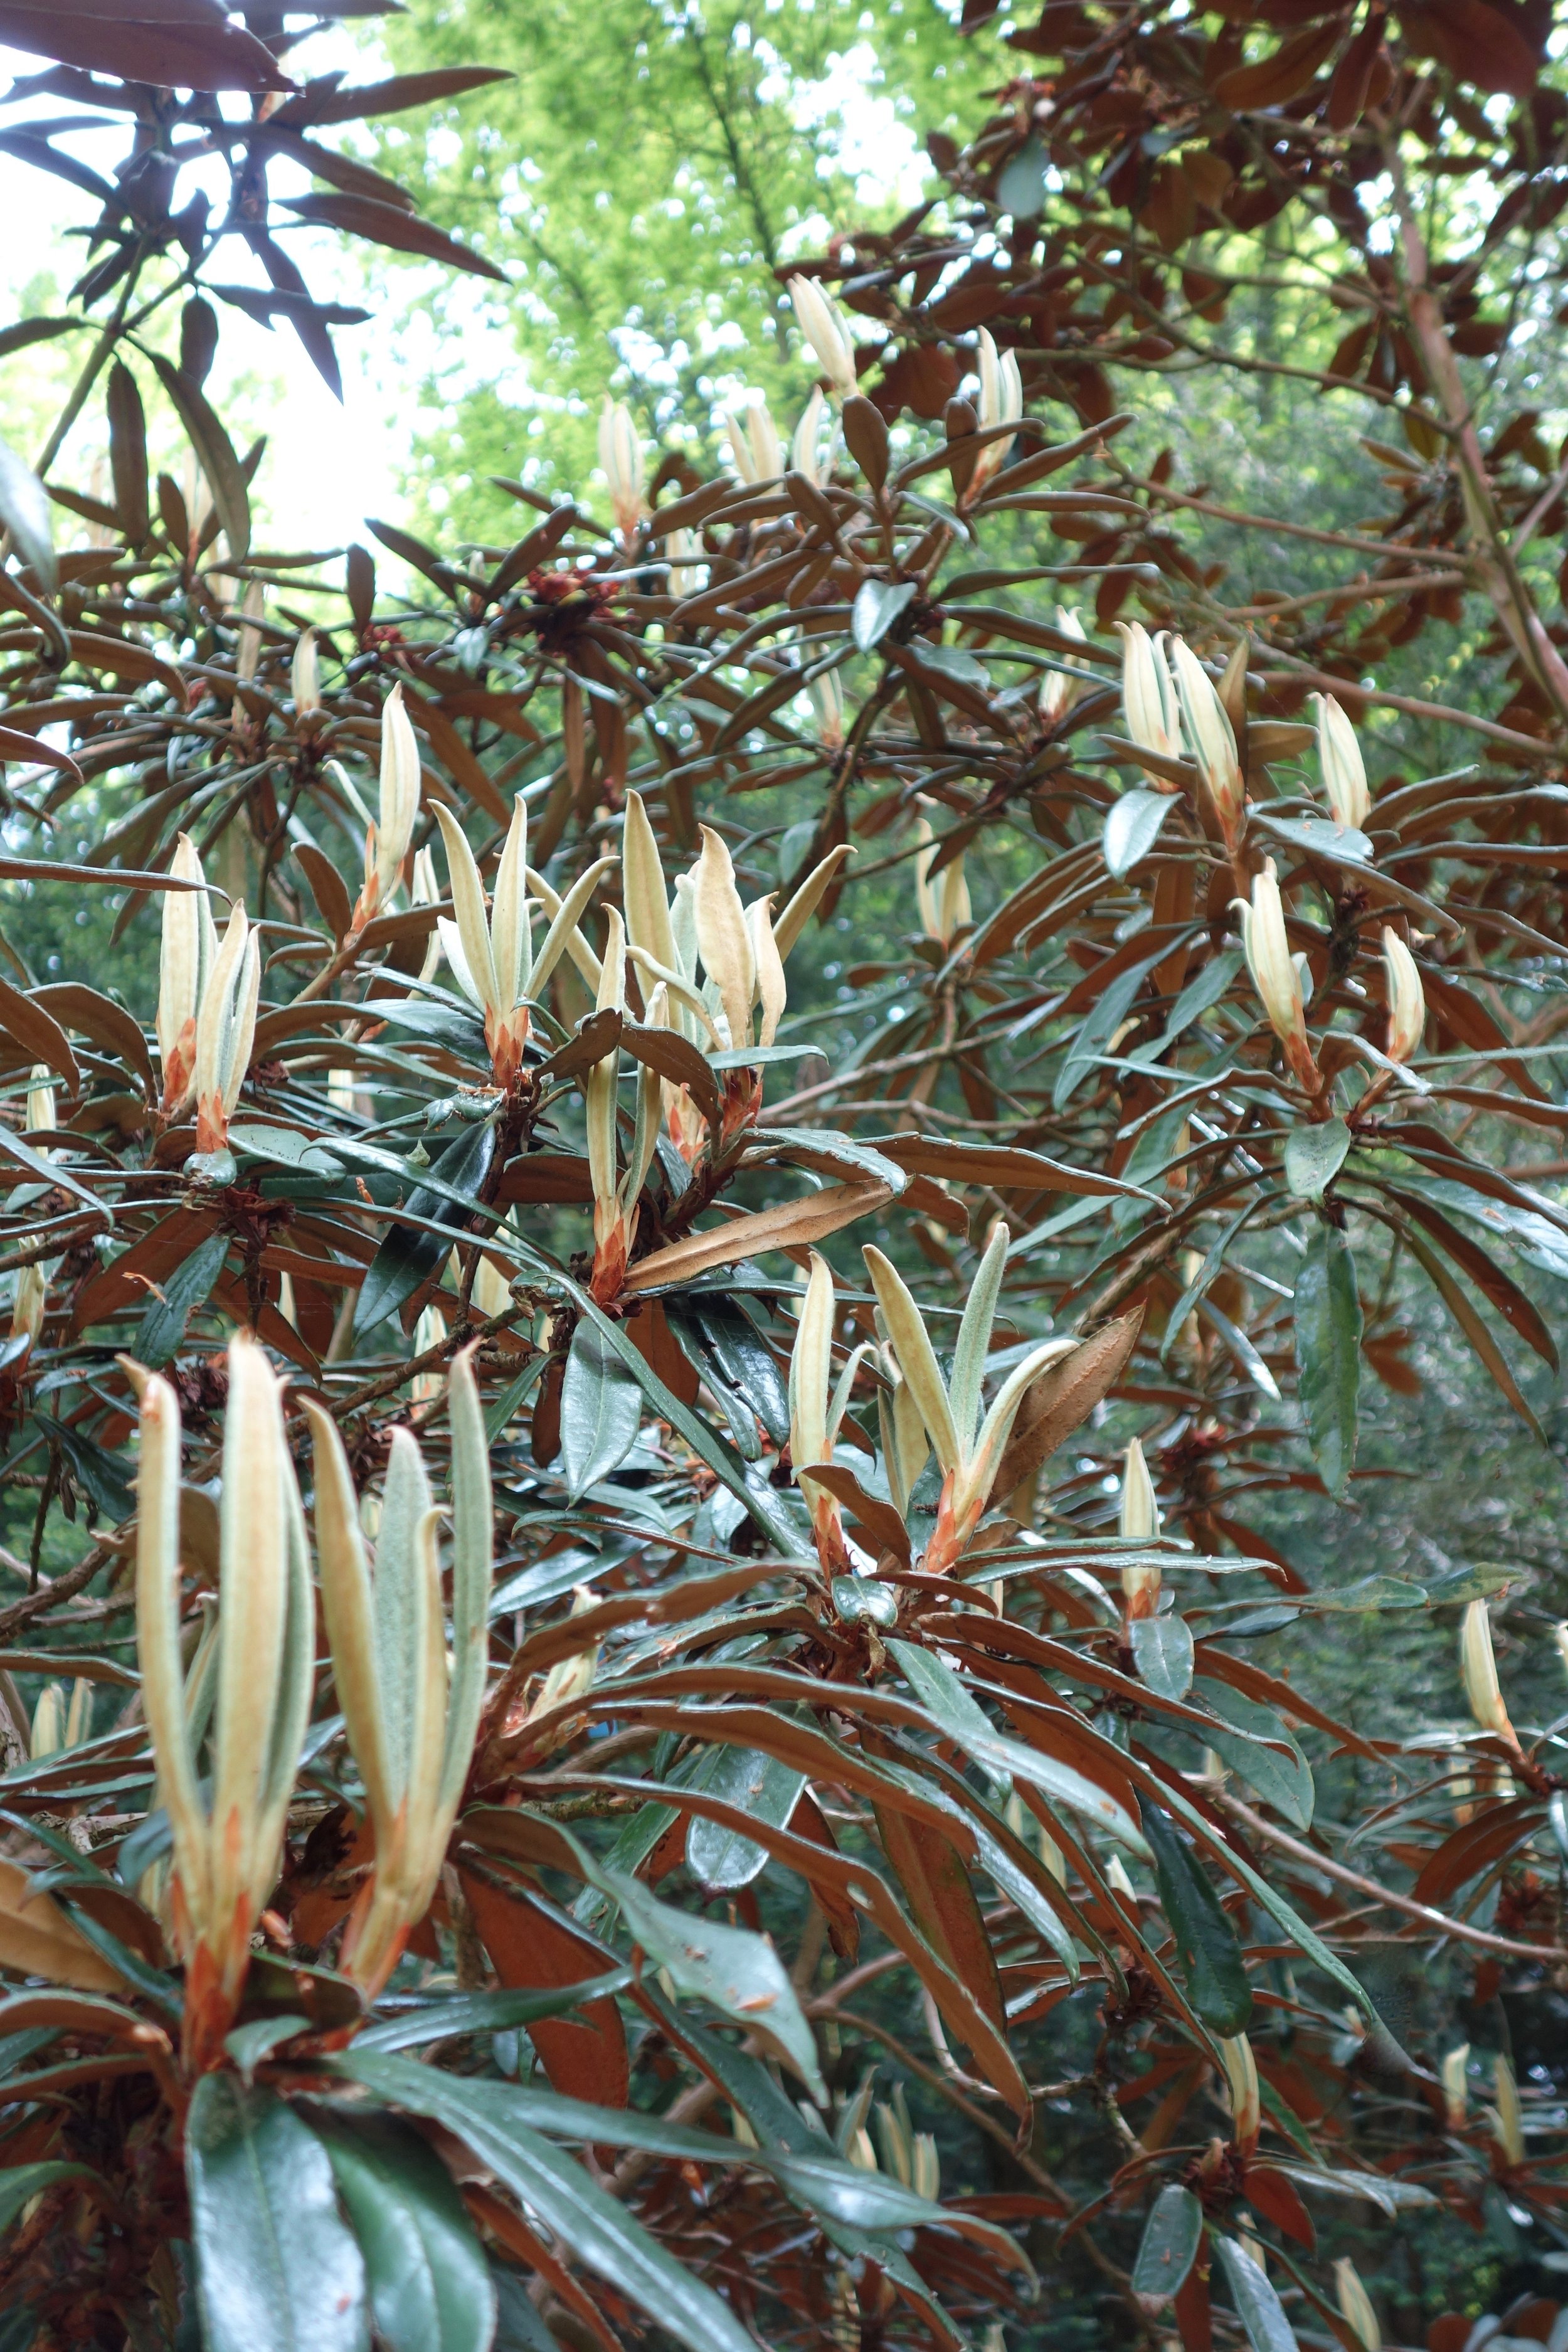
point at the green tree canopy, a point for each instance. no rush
(641, 182)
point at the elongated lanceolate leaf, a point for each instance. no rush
(430, 2287)
(276, 2266)
(1207, 1949)
(409, 1255)
(759, 1785)
(1258, 2306)
(22, 2182)
(601, 1409)
(942, 1694)
(1172, 2236)
(164, 1319)
(1328, 1352)
(595, 2226)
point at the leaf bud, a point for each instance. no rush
(826, 330)
(1342, 765)
(1405, 996)
(1478, 1663)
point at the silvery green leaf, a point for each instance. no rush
(1133, 825)
(1320, 836)
(1162, 1647)
(953, 661)
(1021, 183)
(1259, 2309)
(1314, 1156)
(760, 1785)
(878, 604)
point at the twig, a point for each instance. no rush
(34, 1604)
(950, 2091)
(1438, 1921)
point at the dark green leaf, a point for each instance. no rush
(430, 2288)
(277, 2270)
(740, 1974)
(1328, 1352)
(22, 2182)
(595, 2226)
(443, 1025)
(1208, 1950)
(743, 1357)
(1093, 1038)
(409, 1256)
(1202, 992)
(1283, 1781)
(601, 1411)
(248, 2045)
(1172, 2236)
(485, 2013)
(519, 2327)
(761, 1499)
(163, 1320)
(46, 1166)
(104, 1476)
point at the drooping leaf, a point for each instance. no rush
(1162, 1647)
(25, 511)
(1208, 1951)
(430, 2287)
(277, 2269)
(22, 2182)
(1328, 1352)
(1169, 2246)
(1258, 2304)
(940, 1691)
(408, 1255)
(1284, 1781)
(601, 2233)
(722, 1859)
(1314, 1156)
(601, 1411)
